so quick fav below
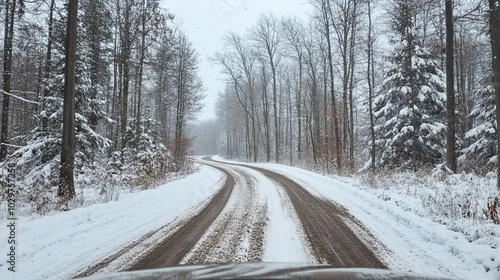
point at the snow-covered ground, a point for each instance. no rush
(59, 245)
(409, 240)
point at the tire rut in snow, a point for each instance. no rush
(171, 250)
(238, 234)
(332, 240)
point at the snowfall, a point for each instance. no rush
(409, 237)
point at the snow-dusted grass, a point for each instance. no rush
(455, 200)
(57, 246)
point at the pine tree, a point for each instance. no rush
(482, 149)
(38, 161)
(410, 106)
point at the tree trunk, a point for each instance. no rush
(66, 181)
(10, 8)
(139, 80)
(495, 49)
(451, 157)
(125, 56)
(299, 112)
(351, 84)
(48, 60)
(275, 111)
(336, 134)
(371, 82)
(179, 119)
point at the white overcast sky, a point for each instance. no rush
(206, 21)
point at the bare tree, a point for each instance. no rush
(127, 15)
(294, 34)
(344, 17)
(188, 95)
(238, 63)
(266, 36)
(371, 82)
(324, 8)
(48, 58)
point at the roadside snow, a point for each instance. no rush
(57, 246)
(410, 240)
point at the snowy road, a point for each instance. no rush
(331, 240)
(229, 212)
(257, 223)
(267, 217)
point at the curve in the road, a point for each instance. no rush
(332, 240)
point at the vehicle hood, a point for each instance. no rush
(261, 270)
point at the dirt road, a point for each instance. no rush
(232, 227)
(332, 240)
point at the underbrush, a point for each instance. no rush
(466, 203)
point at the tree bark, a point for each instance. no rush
(126, 42)
(66, 180)
(353, 19)
(10, 8)
(48, 60)
(336, 135)
(451, 157)
(371, 82)
(140, 78)
(494, 6)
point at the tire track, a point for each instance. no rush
(237, 235)
(171, 250)
(332, 241)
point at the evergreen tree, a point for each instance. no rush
(38, 161)
(410, 106)
(482, 149)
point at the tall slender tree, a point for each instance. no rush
(451, 157)
(494, 8)
(324, 9)
(66, 179)
(48, 61)
(10, 13)
(294, 34)
(267, 37)
(371, 84)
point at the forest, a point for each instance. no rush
(136, 86)
(351, 134)
(365, 86)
